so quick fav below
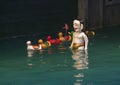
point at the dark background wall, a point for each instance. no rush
(94, 12)
(35, 16)
(19, 17)
(99, 13)
(111, 12)
(103, 13)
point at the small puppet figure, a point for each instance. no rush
(32, 47)
(80, 39)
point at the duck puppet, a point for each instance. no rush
(33, 47)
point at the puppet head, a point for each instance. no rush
(28, 42)
(77, 26)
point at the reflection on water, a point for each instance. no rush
(43, 53)
(81, 59)
(47, 56)
(80, 63)
(62, 48)
(49, 51)
(30, 54)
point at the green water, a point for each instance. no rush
(57, 65)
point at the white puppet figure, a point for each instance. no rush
(80, 39)
(32, 47)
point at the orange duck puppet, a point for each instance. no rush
(44, 44)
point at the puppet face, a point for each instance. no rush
(28, 42)
(76, 25)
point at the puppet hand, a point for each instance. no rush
(70, 47)
(85, 49)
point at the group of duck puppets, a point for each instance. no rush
(49, 42)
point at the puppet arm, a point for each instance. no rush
(86, 41)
